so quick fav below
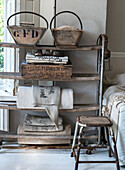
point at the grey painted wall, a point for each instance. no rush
(116, 25)
(93, 15)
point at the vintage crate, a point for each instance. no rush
(46, 71)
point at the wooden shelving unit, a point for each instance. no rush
(100, 47)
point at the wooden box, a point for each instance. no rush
(46, 71)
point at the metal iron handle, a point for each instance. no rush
(29, 12)
(66, 12)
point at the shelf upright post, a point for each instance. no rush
(101, 74)
(103, 43)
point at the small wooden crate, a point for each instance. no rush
(46, 71)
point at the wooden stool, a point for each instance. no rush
(89, 121)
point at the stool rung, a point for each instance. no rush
(96, 161)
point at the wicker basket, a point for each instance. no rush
(25, 34)
(66, 37)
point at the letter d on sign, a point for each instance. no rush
(34, 34)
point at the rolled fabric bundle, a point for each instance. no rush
(24, 98)
(66, 101)
(45, 95)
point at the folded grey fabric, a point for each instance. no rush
(43, 128)
(39, 120)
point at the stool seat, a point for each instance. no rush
(92, 121)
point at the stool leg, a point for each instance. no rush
(0, 141)
(74, 139)
(78, 148)
(115, 149)
(109, 147)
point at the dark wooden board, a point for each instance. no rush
(5, 135)
(75, 77)
(77, 107)
(49, 47)
(46, 147)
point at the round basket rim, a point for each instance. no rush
(22, 27)
(56, 29)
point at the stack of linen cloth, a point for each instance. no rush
(50, 99)
(114, 107)
(30, 58)
(36, 125)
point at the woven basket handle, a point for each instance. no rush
(29, 12)
(66, 12)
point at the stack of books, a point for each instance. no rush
(30, 58)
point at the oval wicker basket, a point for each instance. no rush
(26, 34)
(66, 37)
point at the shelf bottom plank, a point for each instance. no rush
(76, 108)
(10, 135)
(75, 77)
(47, 147)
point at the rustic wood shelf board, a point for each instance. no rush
(75, 77)
(46, 147)
(77, 107)
(46, 47)
(5, 135)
